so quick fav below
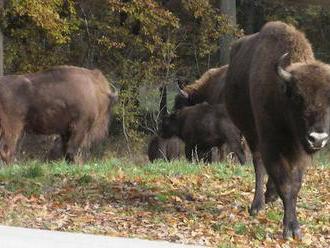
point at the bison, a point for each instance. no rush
(203, 126)
(209, 88)
(158, 147)
(70, 101)
(278, 95)
(161, 148)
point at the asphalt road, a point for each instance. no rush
(17, 237)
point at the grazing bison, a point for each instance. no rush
(209, 88)
(280, 102)
(160, 148)
(203, 126)
(70, 101)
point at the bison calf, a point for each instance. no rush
(202, 127)
(160, 148)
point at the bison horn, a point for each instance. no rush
(184, 93)
(282, 73)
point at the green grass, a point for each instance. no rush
(34, 175)
(188, 202)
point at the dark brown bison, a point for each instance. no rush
(203, 126)
(167, 149)
(70, 101)
(281, 105)
(158, 147)
(209, 88)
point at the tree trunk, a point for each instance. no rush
(228, 8)
(1, 54)
(1, 42)
(251, 17)
(163, 102)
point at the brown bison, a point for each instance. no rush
(70, 101)
(281, 105)
(160, 148)
(167, 149)
(209, 88)
(202, 127)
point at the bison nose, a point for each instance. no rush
(317, 140)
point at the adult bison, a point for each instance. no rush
(70, 101)
(280, 102)
(158, 147)
(203, 126)
(209, 88)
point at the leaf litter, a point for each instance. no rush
(204, 208)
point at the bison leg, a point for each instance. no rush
(58, 149)
(258, 200)
(288, 184)
(204, 154)
(289, 197)
(222, 152)
(75, 140)
(8, 143)
(189, 150)
(287, 177)
(271, 193)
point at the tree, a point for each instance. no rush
(138, 44)
(1, 42)
(228, 8)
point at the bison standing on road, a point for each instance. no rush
(203, 126)
(281, 103)
(70, 101)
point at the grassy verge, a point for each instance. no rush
(176, 201)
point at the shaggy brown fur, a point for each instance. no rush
(204, 85)
(283, 113)
(208, 88)
(203, 126)
(70, 101)
(167, 149)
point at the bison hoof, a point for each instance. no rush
(292, 231)
(255, 208)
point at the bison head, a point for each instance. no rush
(169, 126)
(185, 98)
(307, 89)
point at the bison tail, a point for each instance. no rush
(100, 128)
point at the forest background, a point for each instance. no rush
(143, 44)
